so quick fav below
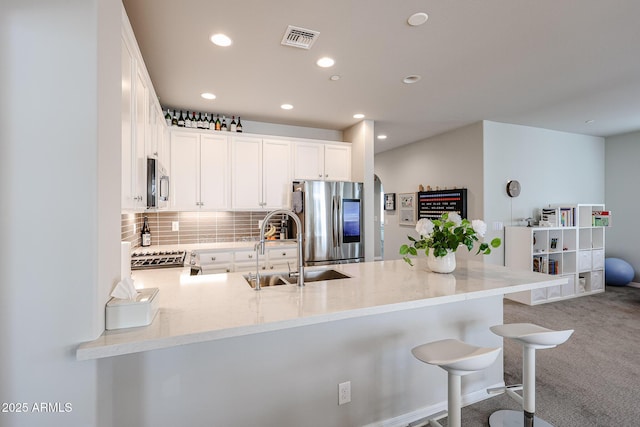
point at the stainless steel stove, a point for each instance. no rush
(157, 259)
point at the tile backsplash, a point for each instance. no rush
(194, 227)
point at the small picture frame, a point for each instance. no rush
(407, 208)
(390, 201)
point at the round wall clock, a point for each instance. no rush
(513, 188)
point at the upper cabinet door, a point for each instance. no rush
(214, 172)
(185, 171)
(278, 174)
(126, 107)
(337, 162)
(246, 173)
(309, 160)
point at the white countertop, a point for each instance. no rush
(204, 308)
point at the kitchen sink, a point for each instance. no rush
(318, 275)
(275, 279)
(266, 280)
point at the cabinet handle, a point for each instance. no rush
(320, 175)
(284, 254)
(213, 258)
(326, 176)
(250, 256)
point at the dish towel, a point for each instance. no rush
(296, 201)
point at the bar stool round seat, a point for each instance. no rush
(458, 359)
(531, 337)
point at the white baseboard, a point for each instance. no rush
(634, 285)
(427, 411)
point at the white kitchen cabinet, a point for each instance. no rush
(322, 161)
(261, 173)
(126, 106)
(133, 105)
(282, 258)
(199, 171)
(141, 129)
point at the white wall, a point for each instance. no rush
(59, 251)
(362, 156)
(622, 176)
(453, 159)
(552, 167)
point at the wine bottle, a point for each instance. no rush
(145, 234)
(194, 121)
(174, 119)
(224, 123)
(218, 125)
(232, 126)
(181, 119)
(212, 123)
(239, 125)
(187, 121)
(199, 121)
(167, 117)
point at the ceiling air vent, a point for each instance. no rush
(299, 37)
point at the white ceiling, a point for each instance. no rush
(545, 63)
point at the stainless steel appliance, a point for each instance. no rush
(331, 216)
(157, 259)
(157, 184)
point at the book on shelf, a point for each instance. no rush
(567, 217)
(601, 218)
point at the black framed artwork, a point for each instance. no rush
(390, 201)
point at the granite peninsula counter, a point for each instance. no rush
(196, 309)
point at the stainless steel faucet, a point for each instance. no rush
(261, 244)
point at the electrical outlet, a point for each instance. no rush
(135, 228)
(175, 226)
(260, 223)
(344, 393)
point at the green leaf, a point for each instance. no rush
(496, 242)
(411, 238)
(413, 251)
(404, 249)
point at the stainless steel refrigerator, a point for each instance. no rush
(331, 217)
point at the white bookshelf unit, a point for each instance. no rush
(575, 252)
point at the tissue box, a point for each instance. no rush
(124, 313)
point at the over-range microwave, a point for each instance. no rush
(157, 184)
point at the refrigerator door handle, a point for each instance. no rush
(334, 219)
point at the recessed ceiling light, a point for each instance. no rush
(411, 79)
(220, 40)
(334, 78)
(358, 116)
(325, 62)
(382, 136)
(208, 95)
(286, 106)
(417, 19)
(589, 121)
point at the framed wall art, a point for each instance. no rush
(390, 201)
(407, 208)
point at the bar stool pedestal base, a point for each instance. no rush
(507, 418)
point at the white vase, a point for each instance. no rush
(445, 264)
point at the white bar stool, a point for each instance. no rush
(458, 359)
(532, 337)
